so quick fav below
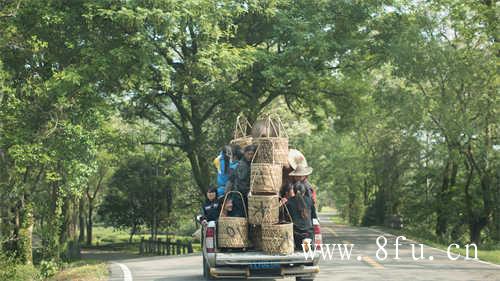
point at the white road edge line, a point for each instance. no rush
(440, 250)
(127, 275)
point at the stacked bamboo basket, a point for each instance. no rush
(271, 154)
(265, 232)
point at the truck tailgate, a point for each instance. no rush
(245, 258)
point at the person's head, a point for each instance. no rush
(249, 151)
(212, 193)
(236, 152)
(300, 173)
(228, 207)
(298, 178)
(228, 151)
(299, 189)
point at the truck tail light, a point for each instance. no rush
(318, 239)
(209, 239)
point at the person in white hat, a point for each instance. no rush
(301, 170)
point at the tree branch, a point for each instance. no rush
(211, 109)
(164, 144)
(170, 118)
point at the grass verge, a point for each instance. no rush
(82, 270)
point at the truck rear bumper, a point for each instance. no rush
(246, 258)
(240, 272)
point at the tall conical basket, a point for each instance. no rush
(241, 134)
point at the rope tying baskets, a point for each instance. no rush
(278, 238)
(232, 232)
(265, 178)
(263, 209)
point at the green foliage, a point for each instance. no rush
(48, 268)
(10, 269)
(394, 103)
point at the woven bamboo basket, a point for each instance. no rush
(232, 232)
(268, 126)
(271, 150)
(263, 209)
(242, 142)
(266, 178)
(241, 135)
(278, 238)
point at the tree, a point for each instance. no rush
(141, 193)
(197, 63)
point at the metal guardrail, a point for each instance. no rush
(167, 247)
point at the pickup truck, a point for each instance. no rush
(252, 264)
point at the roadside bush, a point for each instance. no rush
(48, 268)
(12, 271)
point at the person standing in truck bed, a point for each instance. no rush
(242, 179)
(302, 210)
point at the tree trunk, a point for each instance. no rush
(90, 222)
(496, 214)
(449, 177)
(81, 220)
(25, 233)
(200, 170)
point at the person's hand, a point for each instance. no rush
(283, 201)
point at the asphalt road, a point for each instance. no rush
(362, 265)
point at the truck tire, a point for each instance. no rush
(304, 278)
(206, 270)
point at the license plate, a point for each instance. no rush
(261, 265)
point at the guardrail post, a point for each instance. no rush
(141, 246)
(178, 244)
(158, 246)
(168, 247)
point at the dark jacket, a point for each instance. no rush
(300, 223)
(242, 177)
(311, 194)
(210, 210)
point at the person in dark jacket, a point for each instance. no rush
(237, 155)
(242, 179)
(211, 208)
(302, 210)
(299, 176)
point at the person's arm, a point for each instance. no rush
(239, 177)
(202, 217)
(314, 215)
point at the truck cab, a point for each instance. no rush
(253, 264)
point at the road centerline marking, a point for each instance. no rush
(332, 231)
(372, 262)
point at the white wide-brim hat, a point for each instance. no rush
(301, 171)
(296, 158)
